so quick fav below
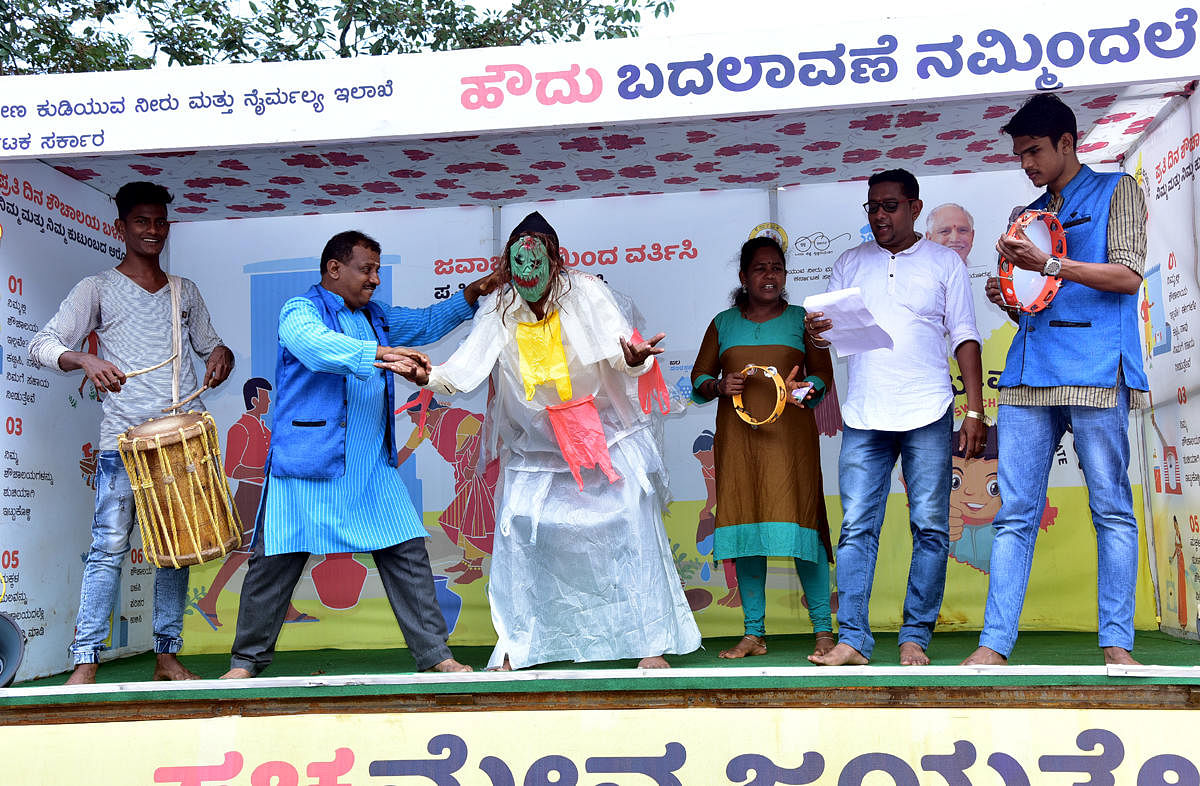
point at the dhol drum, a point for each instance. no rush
(1024, 289)
(184, 507)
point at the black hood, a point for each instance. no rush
(534, 222)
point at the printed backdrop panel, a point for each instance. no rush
(263, 262)
(53, 232)
(821, 222)
(675, 257)
(1165, 165)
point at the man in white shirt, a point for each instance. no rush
(900, 404)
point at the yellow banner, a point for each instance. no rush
(698, 747)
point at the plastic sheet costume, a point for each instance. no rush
(581, 569)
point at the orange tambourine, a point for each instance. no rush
(1024, 289)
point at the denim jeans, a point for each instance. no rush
(1028, 439)
(864, 475)
(111, 527)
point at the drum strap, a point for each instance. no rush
(176, 336)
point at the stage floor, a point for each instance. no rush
(1050, 669)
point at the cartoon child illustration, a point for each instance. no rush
(470, 518)
(974, 503)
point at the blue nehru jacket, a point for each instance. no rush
(308, 438)
(1085, 336)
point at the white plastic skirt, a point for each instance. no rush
(587, 575)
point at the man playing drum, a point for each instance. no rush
(1075, 365)
(129, 308)
(900, 404)
(332, 485)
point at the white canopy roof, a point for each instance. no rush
(488, 126)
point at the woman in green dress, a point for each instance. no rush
(769, 497)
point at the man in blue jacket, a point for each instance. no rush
(332, 484)
(1075, 365)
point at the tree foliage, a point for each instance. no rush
(57, 36)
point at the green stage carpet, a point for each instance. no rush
(948, 649)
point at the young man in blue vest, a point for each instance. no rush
(1075, 365)
(332, 485)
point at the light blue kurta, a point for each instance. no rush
(368, 507)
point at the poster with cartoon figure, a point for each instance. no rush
(1165, 165)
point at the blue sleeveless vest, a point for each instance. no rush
(1085, 336)
(308, 437)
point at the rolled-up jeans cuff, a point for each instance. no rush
(164, 645)
(85, 656)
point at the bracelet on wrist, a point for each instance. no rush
(970, 413)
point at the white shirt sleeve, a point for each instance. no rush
(203, 337)
(77, 316)
(835, 276)
(475, 357)
(959, 319)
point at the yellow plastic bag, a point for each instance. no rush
(543, 358)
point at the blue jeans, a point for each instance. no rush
(1028, 439)
(864, 475)
(111, 527)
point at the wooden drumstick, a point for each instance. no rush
(147, 369)
(179, 404)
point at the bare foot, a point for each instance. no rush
(825, 642)
(985, 656)
(841, 655)
(167, 667)
(84, 674)
(506, 666)
(732, 599)
(237, 674)
(656, 662)
(911, 654)
(450, 665)
(748, 646)
(1116, 656)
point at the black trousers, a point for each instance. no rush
(270, 581)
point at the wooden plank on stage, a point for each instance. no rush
(1143, 687)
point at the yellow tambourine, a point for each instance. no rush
(771, 373)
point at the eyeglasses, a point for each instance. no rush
(888, 205)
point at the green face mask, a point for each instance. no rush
(530, 266)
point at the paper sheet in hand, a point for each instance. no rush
(854, 327)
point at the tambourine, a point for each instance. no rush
(1024, 289)
(771, 373)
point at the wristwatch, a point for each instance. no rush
(1053, 267)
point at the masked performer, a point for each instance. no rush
(581, 568)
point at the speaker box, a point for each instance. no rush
(12, 649)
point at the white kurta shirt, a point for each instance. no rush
(922, 298)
